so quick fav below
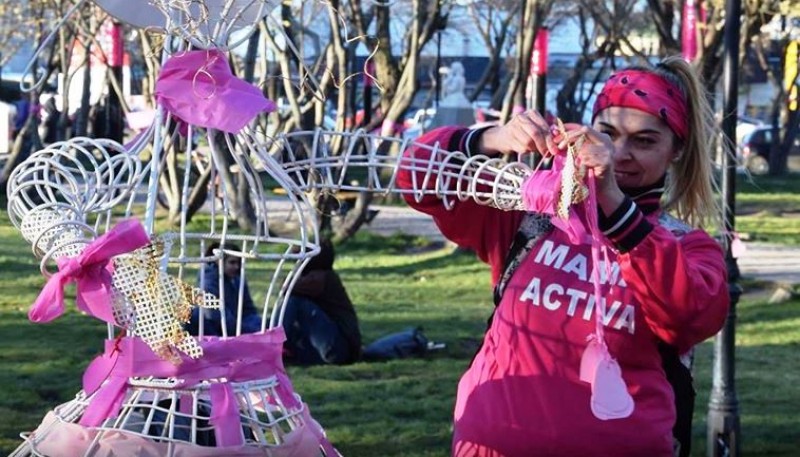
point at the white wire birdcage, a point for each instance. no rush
(63, 197)
(156, 386)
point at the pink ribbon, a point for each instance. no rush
(610, 398)
(91, 270)
(243, 358)
(199, 88)
(540, 195)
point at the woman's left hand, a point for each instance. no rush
(596, 153)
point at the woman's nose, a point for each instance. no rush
(621, 150)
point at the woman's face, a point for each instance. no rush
(232, 266)
(644, 145)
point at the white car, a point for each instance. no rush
(417, 124)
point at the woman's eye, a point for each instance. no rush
(612, 134)
(646, 141)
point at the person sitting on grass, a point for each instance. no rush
(230, 285)
(320, 321)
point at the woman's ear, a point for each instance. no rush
(677, 154)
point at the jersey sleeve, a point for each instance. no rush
(485, 230)
(681, 284)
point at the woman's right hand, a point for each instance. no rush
(525, 132)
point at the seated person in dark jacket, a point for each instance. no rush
(231, 283)
(320, 321)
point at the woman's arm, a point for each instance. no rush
(483, 229)
(681, 283)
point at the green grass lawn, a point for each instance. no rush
(768, 209)
(403, 408)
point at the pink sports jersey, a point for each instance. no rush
(522, 395)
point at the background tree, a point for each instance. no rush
(18, 22)
(709, 60)
(604, 34)
(494, 21)
(783, 113)
(531, 19)
(317, 85)
(22, 24)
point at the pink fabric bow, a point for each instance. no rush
(199, 88)
(91, 270)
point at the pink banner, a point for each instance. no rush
(689, 30)
(539, 52)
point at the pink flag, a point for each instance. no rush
(689, 30)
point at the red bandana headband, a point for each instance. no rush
(648, 92)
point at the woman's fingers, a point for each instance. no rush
(575, 131)
(572, 133)
(532, 133)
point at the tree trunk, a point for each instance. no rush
(26, 141)
(531, 17)
(235, 187)
(250, 56)
(782, 146)
(82, 116)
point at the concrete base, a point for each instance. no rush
(449, 115)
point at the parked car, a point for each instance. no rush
(754, 149)
(745, 125)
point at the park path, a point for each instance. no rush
(762, 261)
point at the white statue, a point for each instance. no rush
(453, 87)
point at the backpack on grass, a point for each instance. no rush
(677, 368)
(410, 342)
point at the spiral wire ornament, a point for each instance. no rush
(55, 192)
(311, 160)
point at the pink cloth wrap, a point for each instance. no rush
(92, 271)
(540, 195)
(56, 438)
(198, 87)
(648, 92)
(243, 358)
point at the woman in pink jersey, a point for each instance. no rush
(649, 149)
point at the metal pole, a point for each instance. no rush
(438, 74)
(114, 122)
(723, 434)
(367, 94)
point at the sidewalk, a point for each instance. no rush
(770, 262)
(761, 261)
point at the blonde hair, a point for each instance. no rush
(690, 190)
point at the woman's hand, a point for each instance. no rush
(525, 132)
(596, 154)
